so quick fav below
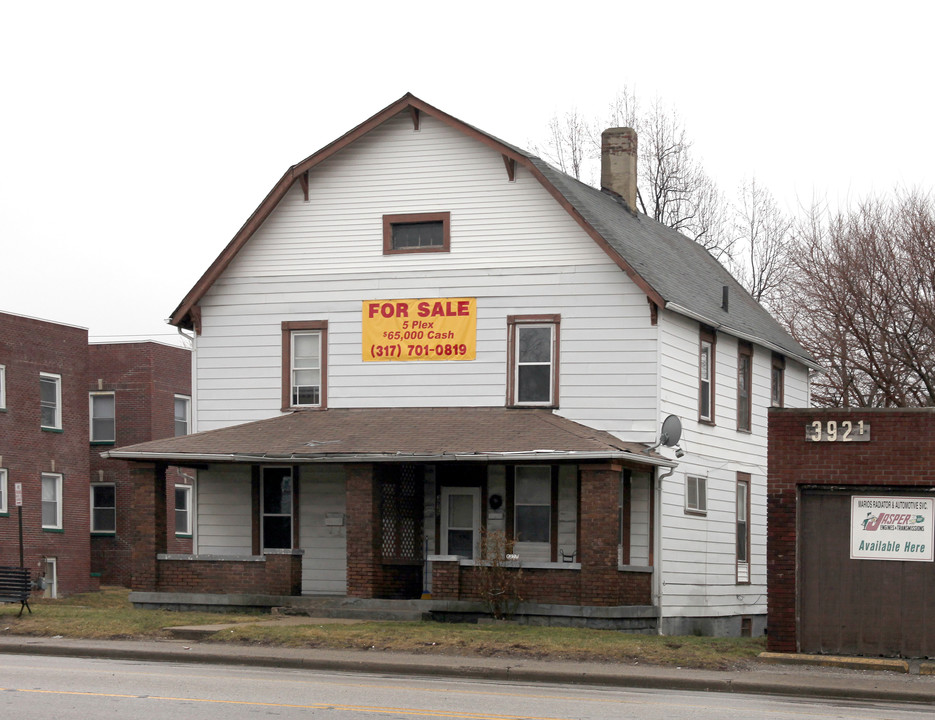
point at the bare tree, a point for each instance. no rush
(861, 298)
(569, 143)
(762, 233)
(672, 186)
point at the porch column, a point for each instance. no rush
(148, 523)
(363, 523)
(600, 494)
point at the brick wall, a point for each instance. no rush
(900, 453)
(363, 576)
(28, 347)
(597, 582)
(145, 377)
(272, 574)
(600, 580)
(450, 581)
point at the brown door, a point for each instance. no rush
(858, 607)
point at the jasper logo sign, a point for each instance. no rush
(892, 528)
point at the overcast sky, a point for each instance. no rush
(136, 138)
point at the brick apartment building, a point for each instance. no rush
(136, 391)
(44, 449)
(61, 400)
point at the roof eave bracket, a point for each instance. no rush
(510, 164)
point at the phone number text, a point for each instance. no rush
(420, 351)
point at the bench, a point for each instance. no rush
(14, 587)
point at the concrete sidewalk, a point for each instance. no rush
(771, 678)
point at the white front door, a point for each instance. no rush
(460, 521)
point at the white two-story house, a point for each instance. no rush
(424, 334)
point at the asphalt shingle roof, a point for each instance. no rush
(395, 434)
(682, 271)
(670, 266)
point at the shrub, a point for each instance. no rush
(498, 574)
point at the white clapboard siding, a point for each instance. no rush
(512, 247)
(698, 552)
(224, 511)
(322, 503)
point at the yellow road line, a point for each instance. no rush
(314, 706)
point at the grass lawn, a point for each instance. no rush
(109, 615)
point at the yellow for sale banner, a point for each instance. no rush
(421, 329)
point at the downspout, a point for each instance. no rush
(657, 487)
(658, 560)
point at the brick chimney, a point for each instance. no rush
(618, 163)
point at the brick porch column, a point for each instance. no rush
(148, 523)
(363, 523)
(600, 495)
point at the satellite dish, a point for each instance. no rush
(671, 431)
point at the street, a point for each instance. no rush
(40, 687)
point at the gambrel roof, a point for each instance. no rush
(675, 272)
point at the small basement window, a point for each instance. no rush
(426, 232)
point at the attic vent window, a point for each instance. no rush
(425, 232)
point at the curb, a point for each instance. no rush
(851, 663)
(796, 684)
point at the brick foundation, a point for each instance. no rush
(559, 586)
(278, 572)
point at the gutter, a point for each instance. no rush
(675, 307)
(532, 455)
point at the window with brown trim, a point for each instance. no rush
(417, 232)
(533, 356)
(304, 364)
(706, 373)
(744, 390)
(777, 381)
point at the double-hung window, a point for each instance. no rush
(183, 415)
(2, 387)
(533, 360)
(777, 380)
(743, 527)
(304, 350)
(706, 368)
(51, 501)
(744, 391)
(103, 417)
(696, 495)
(183, 510)
(50, 401)
(532, 505)
(103, 508)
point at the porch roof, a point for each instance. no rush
(397, 435)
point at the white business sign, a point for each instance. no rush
(890, 527)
